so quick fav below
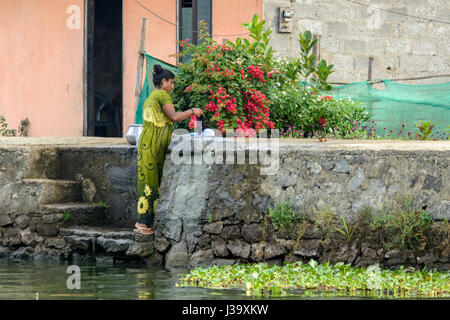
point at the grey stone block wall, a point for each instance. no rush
(401, 46)
(215, 213)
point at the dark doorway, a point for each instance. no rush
(103, 68)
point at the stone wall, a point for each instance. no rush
(37, 175)
(216, 213)
(51, 194)
(350, 33)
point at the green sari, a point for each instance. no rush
(152, 149)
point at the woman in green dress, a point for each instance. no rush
(158, 117)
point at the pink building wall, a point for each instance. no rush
(41, 67)
(41, 58)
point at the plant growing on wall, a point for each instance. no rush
(22, 131)
(4, 131)
(425, 129)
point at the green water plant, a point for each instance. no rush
(274, 280)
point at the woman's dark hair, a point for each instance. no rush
(160, 73)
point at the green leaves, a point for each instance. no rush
(273, 280)
(283, 216)
(425, 129)
(4, 131)
(347, 232)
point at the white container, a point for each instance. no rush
(133, 133)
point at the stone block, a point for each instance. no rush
(161, 244)
(336, 29)
(257, 252)
(56, 242)
(47, 229)
(398, 46)
(239, 248)
(22, 221)
(273, 250)
(139, 249)
(316, 27)
(213, 228)
(231, 232)
(343, 61)
(219, 247)
(308, 249)
(415, 63)
(114, 245)
(11, 236)
(177, 256)
(172, 229)
(355, 46)
(204, 240)
(29, 238)
(5, 220)
(201, 258)
(440, 64)
(251, 232)
(356, 181)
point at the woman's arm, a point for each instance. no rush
(175, 116)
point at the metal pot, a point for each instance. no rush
(133, 133)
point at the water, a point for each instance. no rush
(39, 279)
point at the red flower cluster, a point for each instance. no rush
(271, 73)
(255, 105)
(242, 73)
(193, 122)
(323, 122)
(327, 98)
(256, 73)
(218, 47)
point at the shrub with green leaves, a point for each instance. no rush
(283, 216)
(305, 114)
(405, 228)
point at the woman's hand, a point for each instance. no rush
(198, 112)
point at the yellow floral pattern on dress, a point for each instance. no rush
(154, 206)
(147, 191)
(142, 205)
(153, 112)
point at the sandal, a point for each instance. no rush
(145, 231)
(141, 226)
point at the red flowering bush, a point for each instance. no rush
(229, 81)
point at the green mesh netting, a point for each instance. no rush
(401, 104)
(148, 86)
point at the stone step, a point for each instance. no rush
(43, 163)
(78, 213)
(110, 239)
(48, 191)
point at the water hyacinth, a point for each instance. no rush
(264, 279)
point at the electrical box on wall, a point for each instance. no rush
(286, 19)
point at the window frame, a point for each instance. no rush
(194, 22)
